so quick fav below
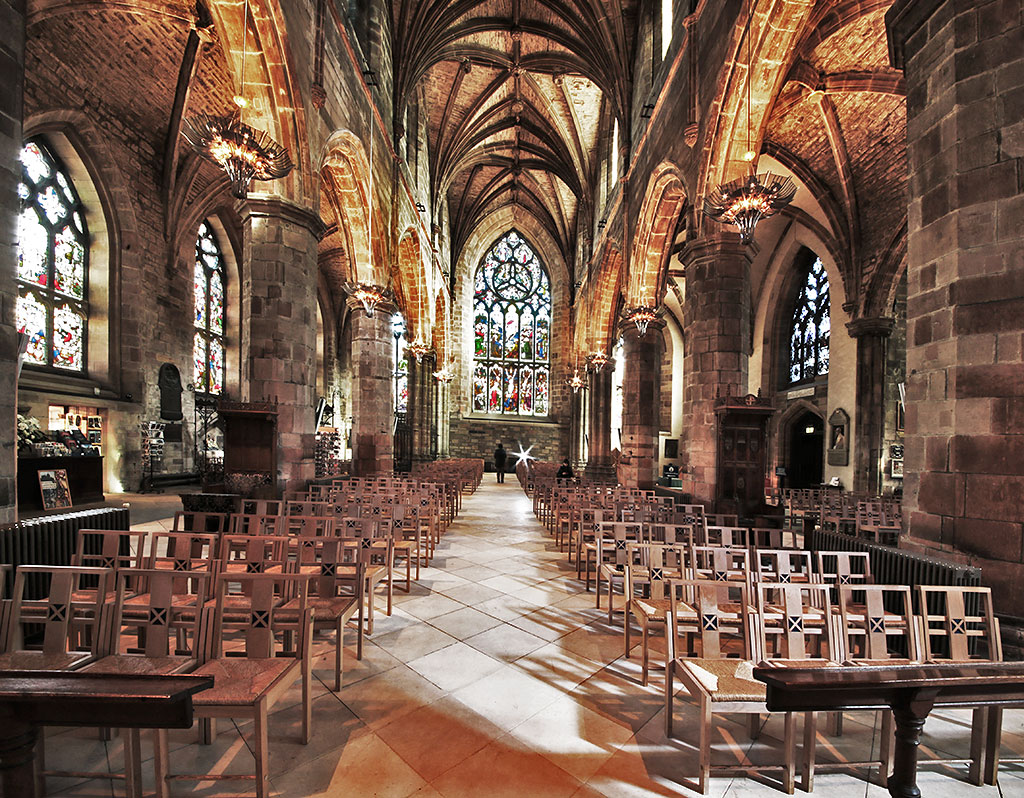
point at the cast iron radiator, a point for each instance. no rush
(51, 540)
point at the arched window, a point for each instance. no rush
(53, 255)
(512, 331)
(810, 328)
(208, 293)
(401, 364)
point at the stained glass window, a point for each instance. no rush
(809, 331)
(53, 261)
(511, 331)
(401, 364)
(208, 314)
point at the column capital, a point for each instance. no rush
(880, 326)
(902, 20)
(715, 244)
(272, 206)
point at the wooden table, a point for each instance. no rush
(30, 699)
(909, 690)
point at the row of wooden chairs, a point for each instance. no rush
(716, 633)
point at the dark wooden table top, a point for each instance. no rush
(85, 699)
(875, 687)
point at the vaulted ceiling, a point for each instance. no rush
(513, 93)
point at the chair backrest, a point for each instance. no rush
(613, 539)
(784, 565)
(721, 519)
(718, 535)
(720, 564)
(188, 521)
(770, 538)
(958, 624)
(673, 534)
(110, 548)
(162, 626)
(182, 551)
(650, 566)
(255, 524)
(261, 507)
(715, 613)
(357, 527)
(316, 525)
(307, 507)
(877, 622)
(251, 554)
(795, 622)
(60, 608)
(335, 565)
(266, 623)
(845, 567)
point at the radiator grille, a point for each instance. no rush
(52, 540)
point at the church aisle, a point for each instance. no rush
(496, 676)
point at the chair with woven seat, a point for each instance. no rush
(612, 554)
(718, 615)
(337, 585)
(720, 564)
(255, 524)
(377, 553)
(253, 658)
(649, 569)
(166, 637)
(73, 632)
(114, 549)
(877, 626)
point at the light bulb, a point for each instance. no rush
(240, 101)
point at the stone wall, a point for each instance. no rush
(473, 437)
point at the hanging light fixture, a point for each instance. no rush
(369, 295)
(447, 373)
(641, 316)
(597, 360)
(750, 199)
(243, 152)
(418, 349)
(576, 381)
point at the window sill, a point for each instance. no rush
(62, 384)
(546, 420)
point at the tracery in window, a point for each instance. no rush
(512, 331)
(209, 314)
(401, 364)
(810, 327)
(53, 260)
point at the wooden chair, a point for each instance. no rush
(107, 548)
(720, 564)
(73, 632)
(377, 554)
(613, 541)
(307, 525)
(189, 521)
(649, 568)
(877, 626)
(784, 565)
(251, 673)
(337, 586)
(407, 532)
(255, 524)
(721, 678)
(166, 637)
(729, 536)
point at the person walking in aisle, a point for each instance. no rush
(500, 455)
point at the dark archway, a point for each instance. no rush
(806, 466)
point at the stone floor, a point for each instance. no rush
(497, 677)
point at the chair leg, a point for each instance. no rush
(207, 730)
(704, 746)
(810, 749)
(609, 602)
(132, 763)
(980, 744)
(669, 697)
(885, 748)
(990, 770)
(41, 762)
(161, 762)
(339, 649)
(390, 591)
(260, 749)
(837, 723)
(645, 655)
(307, 700)
(789, 765)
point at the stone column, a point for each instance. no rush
(373, 413)
(599, 461)
(422, 405)
(279, 324)
(964, 473)
(641, 399)
(443, 401)
(12, 65)
(869, 423)
(716, 317)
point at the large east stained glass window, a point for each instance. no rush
(208, 314)
(512, 331)
(53, 261)
(810, 328)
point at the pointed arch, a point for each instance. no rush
(412, 280)
(655, 228)
(345, 174)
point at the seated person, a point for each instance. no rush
(565, 470)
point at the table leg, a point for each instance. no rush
(910, 710)
(17, 757)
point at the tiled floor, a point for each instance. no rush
(497, 677)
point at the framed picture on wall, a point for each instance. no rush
(897, 469)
